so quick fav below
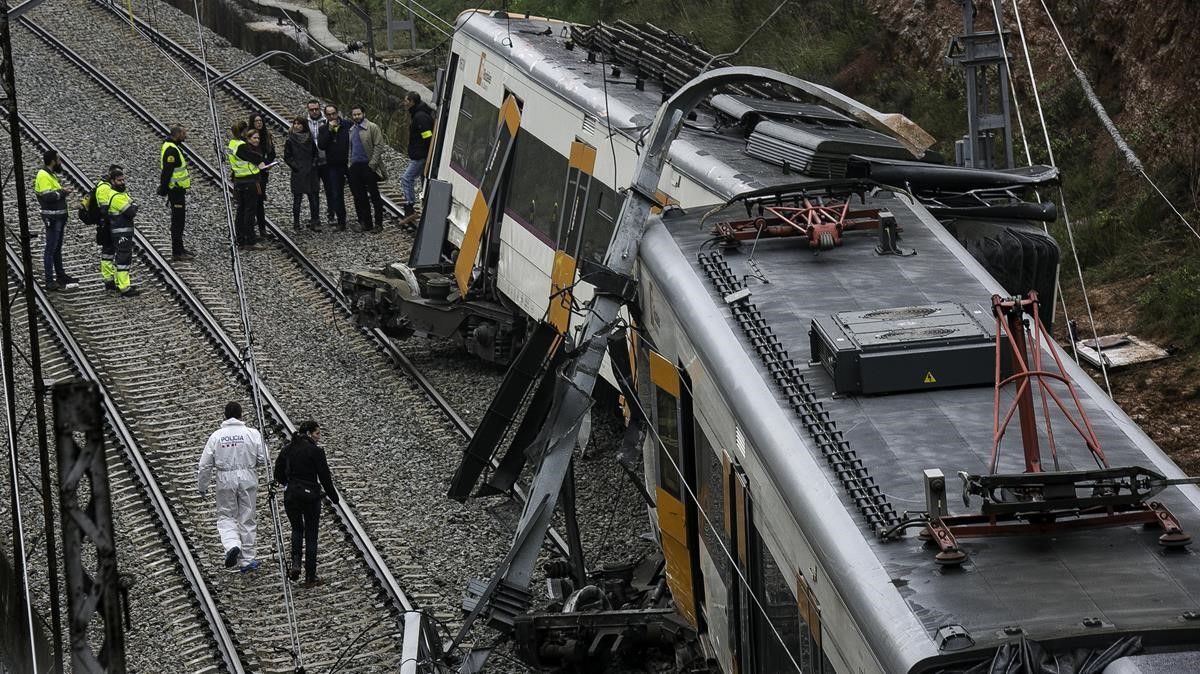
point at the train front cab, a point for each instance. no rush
(723, 577)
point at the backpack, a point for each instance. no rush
(299, 491)
(90, 211)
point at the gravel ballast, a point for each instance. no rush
(389, 451)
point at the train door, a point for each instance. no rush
(446, 81)
(495, 225)
(774, 630)
(738, 512)
(676, 506)
(484, 207)
(567, 235)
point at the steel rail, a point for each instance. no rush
(326, 284)
(162, 508)
(212, 327)
(346, 515)
(229, 86)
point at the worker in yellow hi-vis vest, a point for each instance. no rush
(121, 211)
(420, 133)
(245, 162)
(173, 183)
(52, 197)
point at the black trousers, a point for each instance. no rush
(364, 185)
(260, 212)
(304, 518)
(335, 192)
(313, 207)
(176, 197)
(323, 185)
(246, 192)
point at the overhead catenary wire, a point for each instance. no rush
(735, 52)
(248, 348)
(431, 13)
(1062, 201)
(134, 28)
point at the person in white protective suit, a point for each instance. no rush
(234, 451)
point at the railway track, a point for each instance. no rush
(153, 552)
(245, 101)
(236, 102)
(160, 381)
(239, 97)
(303, 281)
(318, 264)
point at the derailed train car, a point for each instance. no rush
(820, 346)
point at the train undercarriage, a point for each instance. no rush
(403, 301)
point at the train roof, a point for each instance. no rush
(1045, 585)
(710, 149)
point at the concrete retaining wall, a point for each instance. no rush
(251, 26)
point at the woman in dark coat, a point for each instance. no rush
(300, 154)
(303, 469)
(267, 147)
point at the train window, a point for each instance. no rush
(600, 221)
(535, 185)
(666, 413)
(667, 408)
(711, 486)
(782, 619)
(477, 123)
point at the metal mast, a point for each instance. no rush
(35, 361)
(983, 59)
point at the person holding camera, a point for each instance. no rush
(303, 471)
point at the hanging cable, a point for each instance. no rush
(612, 145)
(1063, 203)
(735, 52)
(248, 349)
(1130, 157)
(133, 27)
(1012, 87)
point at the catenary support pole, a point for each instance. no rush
(88, 528)
(35, 361)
